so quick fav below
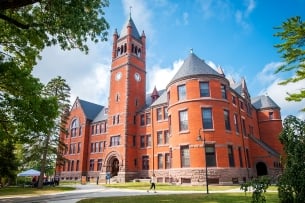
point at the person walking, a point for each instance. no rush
(152, 183)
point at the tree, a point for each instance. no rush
(292, 181)
(28, 26)
(22, 112)
(56, 88)
(292, 50)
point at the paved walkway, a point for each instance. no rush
(91, 191)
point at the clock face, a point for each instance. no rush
(118, 76)
(137, 77)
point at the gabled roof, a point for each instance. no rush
(101, 116)
(262, 102)
(194, 66)
(90, 109)
(134, 33)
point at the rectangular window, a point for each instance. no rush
(91, 165)
(240, 157)
(207, 118)
(117, 119)
(80, 131)
(251, 130)
(96, 147)
(210, 155)
(167, 161)
(270, 115)
(244, 127)
(248, 158)
(183, 120)
(115, 140)
(181, 92)
(92, 130)
(145, 163)
(231, 156)
(92, 147)
(159, 114)
(77, 165)
(227, 119)
(165, 113)
(159, 138)
(236, 123)
(79, 147)
(166, 137)
(148, 140)
(160, 161)
(204, 89)
(185, 156)
(97, 129)
(142, 117)
(101, 145)
(142, 141)
(223, 92)
(72, 165)
(241, 105)
(148, 120)
(99, 164)
(134, 140)
(233, 99)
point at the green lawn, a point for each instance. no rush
(32, 191)
(184, 198)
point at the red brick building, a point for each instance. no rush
(138, 134)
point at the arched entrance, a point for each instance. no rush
(261, 169)
(113, 166)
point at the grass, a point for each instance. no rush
(182, 198)
(168, 187)
(32, 191)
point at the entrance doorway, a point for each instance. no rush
(261, 169)
(113, 166)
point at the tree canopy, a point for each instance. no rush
(28, 26)
(292, 182)
(292, 50)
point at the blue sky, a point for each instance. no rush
(236, 35)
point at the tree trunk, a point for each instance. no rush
(43, 162)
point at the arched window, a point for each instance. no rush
(125, 48)
(139, 52)
(122, 49)
(74, 126)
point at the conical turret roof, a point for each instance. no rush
(134, 29)
(193, 65)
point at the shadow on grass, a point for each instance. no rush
(183, 198)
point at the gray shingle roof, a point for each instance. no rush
(90, 109)
(262, 102)
(134, 33)
(101, 116)
(162, 99)
(194, 66)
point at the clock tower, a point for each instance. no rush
(126, 98)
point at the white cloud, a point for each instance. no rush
(87, 75)
(160, 77)
(279, 92)
(267, 74)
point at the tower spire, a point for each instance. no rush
(130, 7)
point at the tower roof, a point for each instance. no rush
(134, 30)
(262, 102)
(193, 65)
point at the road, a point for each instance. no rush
(83, 192)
